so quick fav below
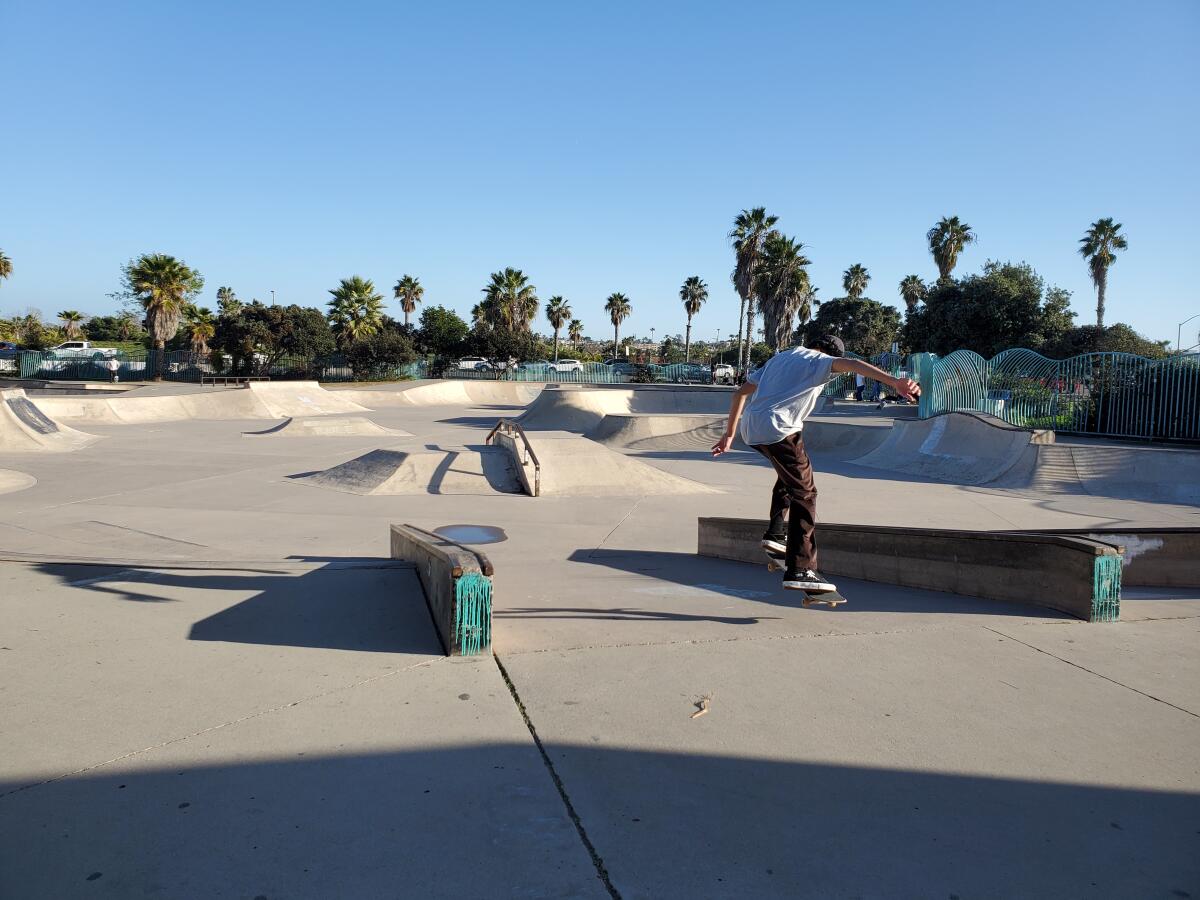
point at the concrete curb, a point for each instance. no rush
(1151, 557)
(1073, 574)
(458, 588)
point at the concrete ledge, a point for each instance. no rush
(458, 588)
(1153, 557)
(1073, 574)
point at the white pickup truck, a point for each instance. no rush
(83, 348)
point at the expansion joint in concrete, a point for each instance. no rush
(601, 871)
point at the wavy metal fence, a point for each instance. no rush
(1113, 394)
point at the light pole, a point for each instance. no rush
(272, 298)
(653, 346)
(1179, 332)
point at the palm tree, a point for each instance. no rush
(356, 310)
(71, 320)
(200, 326)
(127, 325)
(558, 311)
(1100, 246)
(618, 308)
(227, 301)
(750, 229)
(5, 266)
(783, 288)
(510, 300)
(163, 285)
(693, 294)
(912, 289)
(854, 280)
(409, 292)
(946, 240)
(575, 333)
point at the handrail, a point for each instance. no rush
(511, 429)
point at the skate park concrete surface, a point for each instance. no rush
(214, 682)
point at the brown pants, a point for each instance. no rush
(794, 497)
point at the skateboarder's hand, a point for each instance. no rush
(907, 388)
(722, 445)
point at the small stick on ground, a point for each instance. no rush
(701, 707)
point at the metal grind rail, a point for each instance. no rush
(513, 430)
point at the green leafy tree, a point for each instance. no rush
(356, 310)
(783, 288)
(1005, 306)
(378, 355)
(866, 327)
(575, 333)
(693, 294)
(227, 301)
(558, 312)
(946, 241)
(1099, 247)
(163, 286)
(72, 320)
(854, 280)
(912, 290)
(501, 346)
(441, 331)
(409, 292)
(123, 327)
(619, 309)
(509, 300)
(749, 234)
(1118, 338)
(5, 266)
(268, 333)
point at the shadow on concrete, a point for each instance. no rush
(367, 605)
(752, 582)
(474, 421)
(484, 821)
(621, 614)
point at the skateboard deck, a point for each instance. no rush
(832, 599)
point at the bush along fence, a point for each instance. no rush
(1112, 394)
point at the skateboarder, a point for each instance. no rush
(777, 398)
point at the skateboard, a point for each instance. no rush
(832, 599)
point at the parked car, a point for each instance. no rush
(567, 365)
(83, 348)
(9, 350)
(537, 367)
(723, 373)
(473, 362)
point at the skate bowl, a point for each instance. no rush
(12, 481)
(469, 471)
(1071, 573)
(956, 447)
(258, 400)
(447, 393)
(582, 408)
(1153, 474)
(573, 465)
(345, 426)
(26, 428)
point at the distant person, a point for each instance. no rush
(114, 367)
(859, 384)
(777, 398)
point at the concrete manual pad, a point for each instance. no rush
(938, 763)
(422, 783)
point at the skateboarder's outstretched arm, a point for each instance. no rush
(905, 387)
(740, 396)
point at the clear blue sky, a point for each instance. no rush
(600, 147)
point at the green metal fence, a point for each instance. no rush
(844, 385)
(1114, 394)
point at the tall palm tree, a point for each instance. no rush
(575, 333)
(71, 320)
(5, 266)
(946, 240)
(163, 285)
(750, 229)
(912, 289)
(356, 310)
(618, 308)
(1099, 247)
(227, 301)
(693, 294)
(782, 287)
(409, 292)
(854, 280)
(200, 326)
(510, 300)
(558, 311)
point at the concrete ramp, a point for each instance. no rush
(643, 431)
(581, 409)
(26, 428)
(301, 398)
(467, 471)
(12, 481)
(447, 393)
(1153, 474)
(957, 448)
(346, 426)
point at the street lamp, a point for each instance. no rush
(1179, 332)
(272, 298)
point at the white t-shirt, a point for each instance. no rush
(788, 387)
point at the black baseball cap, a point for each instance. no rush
(830, 344)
